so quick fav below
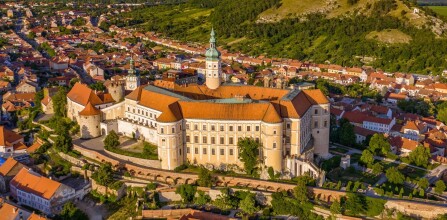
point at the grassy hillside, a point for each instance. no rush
(441, 10)
(385, 32)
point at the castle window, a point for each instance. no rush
(204, 127)
(288, 125)
(274, 145)
(257, 139)
(274, 131)
(325, 124)
(222, 152)
(146, 114)
(196, 139)
(162, 131)
(287, 140)
(231, 152)
(173, 130)
(222, 140)
(257, 128)
(222, 128)
(128, 109)
(187, 126)
(188, 138)
(196, 150)
(138, 111)
(204, 139)
(196, 127)
(213, 128)
(239, 128)
(213, 151)
(213, 140)
(163, 142)
(316, 111)
(231, 128)
(248, 128)
(180, 151)
(188, 150)
(204, 150)
(230, 140)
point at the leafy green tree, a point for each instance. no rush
(301, 192)
(248, 204)
(423, 183)
(374, 206)
(60, 102)
(377, 168)
(420, 156)
(31, 35)
(225, 201)
(248, 154)
(367, 157)
(70, 211)
(394, 176)
(202, 198)
(347, 134)
(63, 141)
(205, 178)
(442, 115)
(355, 203)
(104, 174)
(187, 192)
(440, 186)
(336, 207)
(379, 145)
(111, 140)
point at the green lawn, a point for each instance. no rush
(441, 10)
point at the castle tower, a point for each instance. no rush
(213, 73)
(116, 90)
(89, 120)
(132, 79)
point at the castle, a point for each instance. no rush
(202, 124)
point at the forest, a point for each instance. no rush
(316, 38)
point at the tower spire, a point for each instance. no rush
(212, 38)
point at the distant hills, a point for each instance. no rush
(432, 2)
(385, 34)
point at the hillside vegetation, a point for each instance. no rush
(385, 31)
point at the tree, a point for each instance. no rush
(347, 134)
(205, 178)
(225, 201)
(38, 99)
(379, 144)
(420, 156)
(442, 115)
(367, 157)
(336, 207)
(355, 203)
(394, 176)
(59, 102)
(187, 192)
(104, 174)
(248, 204)
(301, 192)
(202, 198)
(70, 211)
(374, 207)
(111, 140)
(63, 141)
(31, 35)
(423, 183)
(440, 186)
(248, 154)
(377, 168)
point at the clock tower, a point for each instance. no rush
(213, 73)
(132, 79)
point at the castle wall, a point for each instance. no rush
(113, 112)
(320, 129)
(272, 145)
(128, 127)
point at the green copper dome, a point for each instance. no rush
(212, 53)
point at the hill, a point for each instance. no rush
(388, 31)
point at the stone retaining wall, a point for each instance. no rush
(139, 161)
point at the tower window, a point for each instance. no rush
(222, 152)
(204, 150)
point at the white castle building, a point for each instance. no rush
(202, 124)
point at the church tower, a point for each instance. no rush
(132, 79)
(213, 71)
